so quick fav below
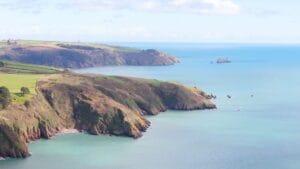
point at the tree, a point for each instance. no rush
(25, 90)
(5, 97)
(1, 64)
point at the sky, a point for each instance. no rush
(192, 21)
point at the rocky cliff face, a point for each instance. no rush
(95, 104)
(80, 56)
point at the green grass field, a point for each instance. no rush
(14, 82)
(27, 68)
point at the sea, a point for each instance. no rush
(257, 128)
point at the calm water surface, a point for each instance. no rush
(263, 134)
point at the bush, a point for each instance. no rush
(5, 97)
(25, 90)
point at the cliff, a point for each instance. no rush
(95, 104)
(81, 55)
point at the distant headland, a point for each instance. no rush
(80, 55)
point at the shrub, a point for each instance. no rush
(27, 103)
(5, 97)
(25, 90)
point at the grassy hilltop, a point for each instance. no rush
(15, 67)
(15, 75)
(27, 43)
(14, 82)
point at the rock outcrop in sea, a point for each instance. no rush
(223, 60)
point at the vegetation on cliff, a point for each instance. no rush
(80, 55)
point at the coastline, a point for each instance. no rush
(92, 104)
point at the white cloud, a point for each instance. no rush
(190, 6)
(221, 6)
(186, 6)
(28, 5)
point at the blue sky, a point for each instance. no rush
(252, 21)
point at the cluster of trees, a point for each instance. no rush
(25, 91)
(5, 96)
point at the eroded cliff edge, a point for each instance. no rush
(95, 104)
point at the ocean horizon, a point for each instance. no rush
(257, 128)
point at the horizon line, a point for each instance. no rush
(163, 42)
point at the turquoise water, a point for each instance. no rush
(260, 132)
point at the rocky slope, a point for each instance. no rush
(95, 104)
(77, 55)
